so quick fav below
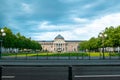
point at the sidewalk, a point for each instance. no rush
(57, 62)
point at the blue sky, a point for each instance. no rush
(73, 19)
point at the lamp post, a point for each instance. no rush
(2, 33)
(103, 36)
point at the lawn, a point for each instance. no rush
(44, 54)
(62, 54)
(92, 54)
(97, 54)
(18, 54)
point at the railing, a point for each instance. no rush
(60, 56)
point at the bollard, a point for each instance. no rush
(0, 72)
(70, 73)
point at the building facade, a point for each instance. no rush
(60, 45)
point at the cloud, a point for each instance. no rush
(45, 25)
(48, 26)
(93, 4)
(69, 1)
(84, 33)
(44, 36)
(26, 8)
(76, 19)
(92, 29)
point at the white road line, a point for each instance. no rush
(8, 76)
(77, 76)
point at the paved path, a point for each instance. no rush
(58, 62)
(58, 58)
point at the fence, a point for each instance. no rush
(60, 56)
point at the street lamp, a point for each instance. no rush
(2, 33)
(103, 36)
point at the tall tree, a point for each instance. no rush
(18, 41)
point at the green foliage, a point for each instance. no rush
(18, 41)
(112, 40)
(83, 45)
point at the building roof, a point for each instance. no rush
(46, 41)
(59, 37)
(74, 40)
(65, 41)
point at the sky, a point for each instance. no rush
(73, 19)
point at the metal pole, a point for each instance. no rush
(26, 56)
(77, 55)
(103, 49)
(102, 35)
(0, 49)
(37, 56)
(69, 55)
(70, 73)
(89, 56)
(15, 56)
(110, 55)
(47, 55)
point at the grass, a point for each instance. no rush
(64, 54)
(92, 54)
(19, 54)
(97, 54)
(44, 54)
(114, 54)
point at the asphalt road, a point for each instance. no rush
(35, 73)
(96, 73)
(61, 73)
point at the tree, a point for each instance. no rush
(94, 44)
(9, 39)
(83, 46)
(112, 39)
(18, 41)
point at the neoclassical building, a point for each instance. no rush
(60, 45)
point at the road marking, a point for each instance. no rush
(77, 76)
(8, 76)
